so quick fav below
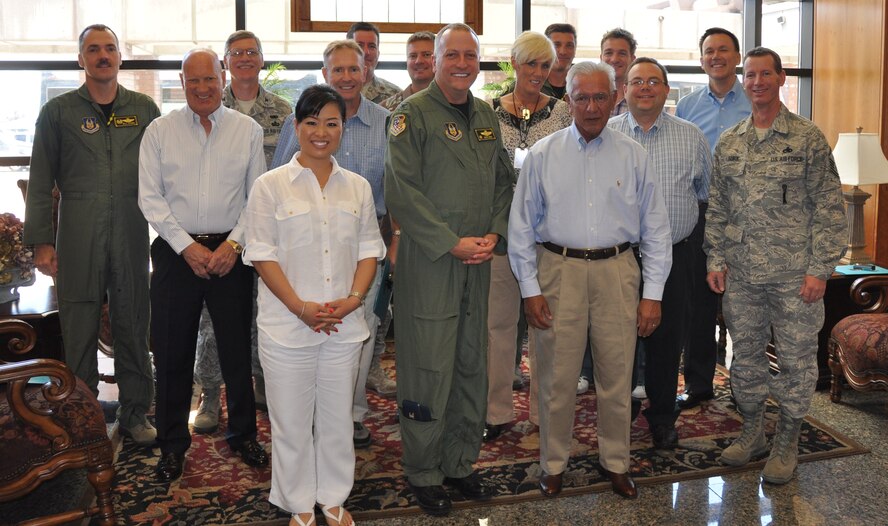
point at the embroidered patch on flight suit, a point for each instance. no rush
(126, 121)
(90, 125)
(399, 124)
(452, 131)
(485, 134)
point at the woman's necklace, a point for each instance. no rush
(524, 124)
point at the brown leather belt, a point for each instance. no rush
(210, 238)
(587, 253)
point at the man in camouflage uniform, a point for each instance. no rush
(243, 60)
(366, 35)
(448, 180)
(420, 67)
(775, 229)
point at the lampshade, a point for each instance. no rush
(860, 160)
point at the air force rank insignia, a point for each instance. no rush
(452, 131)
(398, 125)
(90, 125)
(485, 134)
(126, 121)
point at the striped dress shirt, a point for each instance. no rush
(361, 151)
(681, 159)
(194, 183)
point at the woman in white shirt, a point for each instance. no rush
(313, 237)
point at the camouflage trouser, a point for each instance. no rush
(750, 313)
(207, 372)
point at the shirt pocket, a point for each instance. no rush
(294, 223)
(348, 218)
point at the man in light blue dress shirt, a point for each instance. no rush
(681, 159)
(715, 108)
(585, 194)
(362, 151)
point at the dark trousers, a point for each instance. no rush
(177, 296)
(662, 349)
(701, 350)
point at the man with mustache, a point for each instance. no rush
(87, 144)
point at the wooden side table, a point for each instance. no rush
(38, 307)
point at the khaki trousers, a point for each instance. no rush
(503, 306)
(600, 297)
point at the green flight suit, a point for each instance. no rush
(102, 240)
(445, 178)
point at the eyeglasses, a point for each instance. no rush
(240, 52)
(637, 83)
(598, 98)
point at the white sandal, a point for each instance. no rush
(338, 518)
(299, 521)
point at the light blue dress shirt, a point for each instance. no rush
(682, 161)
(362, 149)
(589, 195)
(714, 117)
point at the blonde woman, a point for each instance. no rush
(526, 115)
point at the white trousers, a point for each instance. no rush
(309, 402)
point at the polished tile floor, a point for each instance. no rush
(846, 491)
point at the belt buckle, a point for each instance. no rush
(587, 254)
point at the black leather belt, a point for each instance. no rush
(587, 253)
(210, 238)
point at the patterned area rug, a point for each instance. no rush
(219, 489)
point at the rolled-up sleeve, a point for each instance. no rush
(261, 235)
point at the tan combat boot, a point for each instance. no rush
(207, 419)
(784, 457)
(752, 441)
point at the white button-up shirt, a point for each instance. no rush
(317, 237)
(194, 183)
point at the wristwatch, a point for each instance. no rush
(357, 295)
(235, 245)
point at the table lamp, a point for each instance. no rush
(860, 161)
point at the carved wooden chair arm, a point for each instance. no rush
(60, 386)
(25, 336)
(873, 301)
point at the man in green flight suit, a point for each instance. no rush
(448, 180)
(87, 144)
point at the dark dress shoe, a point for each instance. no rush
(170, 467)
(665, 436)
(433, 500)
(472, 487)
(492, 431)
(550, 485)
(622, 483)
(688, 401)
(252, 453)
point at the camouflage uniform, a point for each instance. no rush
(269, 111)
(392, 102)
(775, 216)
(379, 89)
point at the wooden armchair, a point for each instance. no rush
(858, 344)
(50, 428)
